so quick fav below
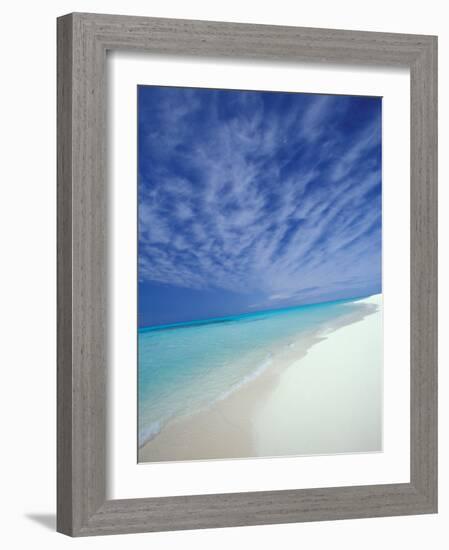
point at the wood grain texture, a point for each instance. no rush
(423, 254)
(64, 277)
(83, 40)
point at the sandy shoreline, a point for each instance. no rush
(322, 395)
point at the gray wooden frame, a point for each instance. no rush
(83, 40)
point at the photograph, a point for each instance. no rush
(259, 274)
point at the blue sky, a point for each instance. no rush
(255, 200)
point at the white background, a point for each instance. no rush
(27, 217)
(131, 480)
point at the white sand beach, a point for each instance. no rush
(322, 395)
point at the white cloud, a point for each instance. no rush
(239, 219)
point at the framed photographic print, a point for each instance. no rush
(247, 293)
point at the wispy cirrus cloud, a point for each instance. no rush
(269, 195)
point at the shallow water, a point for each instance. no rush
(187, 367)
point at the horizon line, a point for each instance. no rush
(207, 320)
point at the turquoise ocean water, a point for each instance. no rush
(186, 367)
